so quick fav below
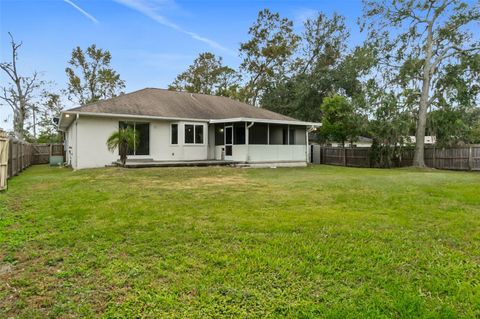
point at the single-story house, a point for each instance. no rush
(179, 126)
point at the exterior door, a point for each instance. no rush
(228, 142)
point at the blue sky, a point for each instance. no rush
(151, 41)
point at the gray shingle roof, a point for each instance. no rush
(171, 104)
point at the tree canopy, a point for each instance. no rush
(425, 49)
(90, 76)
(207, 75)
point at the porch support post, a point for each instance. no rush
(246, 133)
(306, 144)
(288, 134)
(268, 133)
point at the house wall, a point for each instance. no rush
(86, 144)
(211, 142)
(93, 132)
(70, 145)
(265, 153)
(91, 142)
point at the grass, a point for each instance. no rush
(322, 241)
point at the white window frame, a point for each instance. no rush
(149, 135)
(178, 134)
(194, 131)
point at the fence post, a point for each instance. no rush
(4, 147)
(434, 156)
(470, 158)
(344, 156)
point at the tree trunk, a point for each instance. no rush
(19, 120)
(419, 155)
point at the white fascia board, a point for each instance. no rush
(247, 119)
(128, 116)
(149, 117)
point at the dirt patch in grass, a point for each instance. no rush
(212, 181)
(5, 269)
(197, 182)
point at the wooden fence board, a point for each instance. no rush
(454, 158)
(21, 155)
(4, 148)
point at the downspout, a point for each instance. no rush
(76, 141)
(311, 129)
(247, 137)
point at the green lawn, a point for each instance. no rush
(308, 242)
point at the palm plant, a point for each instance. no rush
(124, 139)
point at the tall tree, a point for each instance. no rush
(340, 121)
(20, 92)
(267, 53)
(417, 39)
(90, 76)
(207, 75)
(49, 108)
(323, 67)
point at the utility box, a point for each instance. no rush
(56, 160)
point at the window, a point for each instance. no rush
(193, 134)
(174, 130)
(198, 134)
(142, 130)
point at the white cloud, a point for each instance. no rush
(150, 9)
(85, 13)
(303, 14)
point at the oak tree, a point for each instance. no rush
(90, 76)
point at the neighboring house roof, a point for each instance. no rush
(172, 104)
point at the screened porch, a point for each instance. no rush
(259, 142)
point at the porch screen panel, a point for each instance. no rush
(258, 134)
(291, 137)
(278, 134)
(299, 137)
(219, 131)
(239, 135)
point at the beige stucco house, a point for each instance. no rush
(179, 127)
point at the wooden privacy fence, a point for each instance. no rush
(465, 158)
(20, 156)
(3, 160)
(17, 155)
(42, 152)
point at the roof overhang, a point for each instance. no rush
(254, 120)
(67, 118)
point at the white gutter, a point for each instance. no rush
(311, 129)
(228, 120)
(249, 119)
(116, 115)
(76, 141)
